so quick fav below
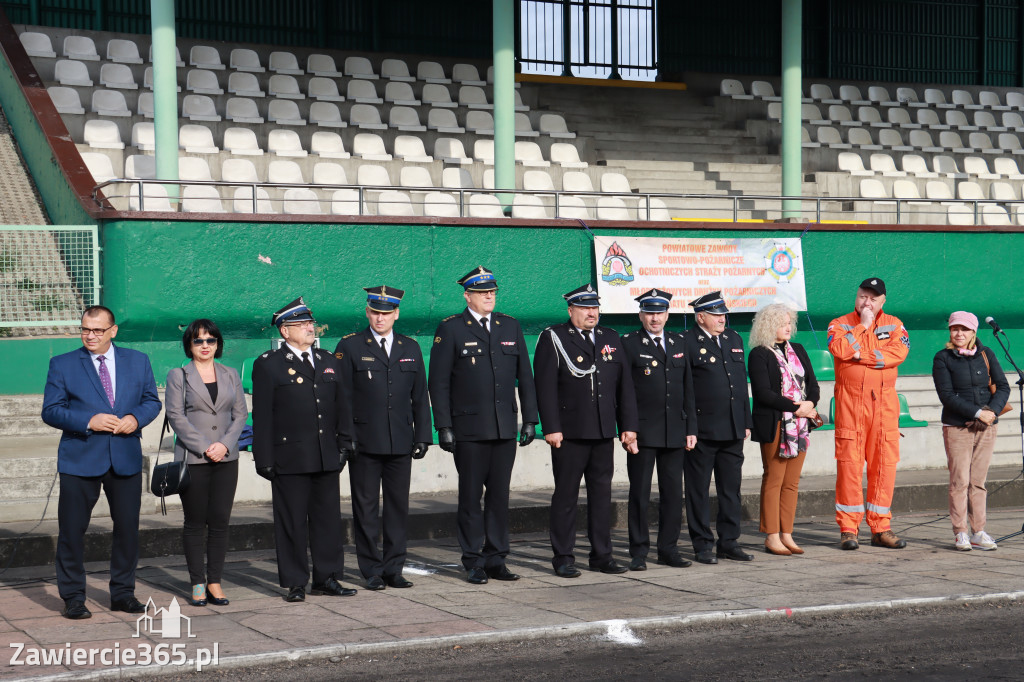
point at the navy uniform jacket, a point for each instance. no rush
(719, 384)
(588, 406)
(300, 422)
(473, 378)
(390, 411)
(664, 390)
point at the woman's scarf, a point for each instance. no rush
(793, 432)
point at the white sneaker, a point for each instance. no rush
(981, 540)
(963, 543)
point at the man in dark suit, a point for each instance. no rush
(478, 358)
(301, 440)
(719, 371)
(584, 388)
(385, 373)
(668, 428)
(100, 396)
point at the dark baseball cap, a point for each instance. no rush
(875, 284)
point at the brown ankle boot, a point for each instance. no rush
(887, 539)
(848, 541)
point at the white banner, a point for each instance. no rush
(750, 273)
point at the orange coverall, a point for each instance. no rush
(867, 416)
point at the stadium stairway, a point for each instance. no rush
(20, 203)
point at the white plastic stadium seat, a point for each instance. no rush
(763, 90)
(994, 214)
(117, 76)
(1002, 191)
(123, 51)
(613, 208)
(199, 108)
(370, 147)
(410, 149)
(196, 138)
(573, 208)
(326, 115)
(109, 103)
(731, 87)
(177, 56)
(473, 97)
(400, 93)
(443, 121)
(914, 164)
(480, 122)
(243, 59)
(285, 112)
(431, 72)
(538, 181)
(299, 201)
(883, 164)
(936, 98)
(529, 154)
(969, 191)
(529, 207)
(241, 141)
(853, 164)
(329, 173)
(829, 137)
(405, 119)
(154, 198)
(1015, 100)
(144, 136)
(871, 117)
(140, 166)
(285, 142)
(524, 128)
(70, 72)
(65, 100)
(415, 178)
(392, 203)
(879, 95)
(906, 189)
(851, 94)
(467, 74)
(81, 48)
(870, 188)
(345, 202)
(203, 82)
(659, 210)
(99, 166)
(245, 85)
(328, 145)
(359, 67)
(102, 134)
(366, 117)
(575, 181)
(483, 151)
(450, 150)
(553, 125)
(978, 167)
(566, 155)
(907, 96)
(285, 87)
(242, 110)
(201, 199)
(938, 190)
(946, 166)
(456, 178)
(324, 90)
(205, 57)
(396, 70)
(440, 205)
(959, 214)
(242, 202)
(1006, 167)
(962, 98)
(239, 170)
(284, 62)
(373, 176)
(281, 172)
(822, 93)
(900, 117)
(615, 183)
(193, 168)
(323, 65)
(363, 92)
(37, 44)
(437, 96)
(861, 137)
(485, 206)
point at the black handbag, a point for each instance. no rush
(170, 478)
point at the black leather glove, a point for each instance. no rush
(346, 456)
(527, 434)
(419, 450)
(446, 439)
(266, 472)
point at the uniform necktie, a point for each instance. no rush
(586, 335)
(108, 386)
(657, 344)
(718, 340)
(483, 321)
(384, 345)
(308, 360)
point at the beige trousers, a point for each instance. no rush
(968, 455)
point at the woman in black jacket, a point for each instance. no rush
(969, 415)
(785, 394)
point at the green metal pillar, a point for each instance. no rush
(792, 77)
(504, 98)
(165, 92)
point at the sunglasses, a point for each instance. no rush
(204, 342)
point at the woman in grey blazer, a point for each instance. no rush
(206, 408)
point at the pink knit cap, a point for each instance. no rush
(962, 317)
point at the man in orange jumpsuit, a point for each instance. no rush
(867, 346)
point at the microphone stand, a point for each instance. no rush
(1020, 390)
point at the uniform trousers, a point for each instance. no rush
(207, 503)
(78, 496)
(574, 460)
(875, 447)
(368, 475)
(640, 468)
(780, 484)
(307, 511)
(485, 470)
(968, 456)
(723, 458)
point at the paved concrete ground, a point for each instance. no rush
(259, 622)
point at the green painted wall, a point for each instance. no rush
(160, 276)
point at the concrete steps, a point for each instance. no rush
(19, 416)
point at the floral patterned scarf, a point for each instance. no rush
(793, 433)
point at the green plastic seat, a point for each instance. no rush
(907, 421)
(821, 363)
(247, 375)
(830, 423)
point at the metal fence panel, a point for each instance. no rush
(48, 275)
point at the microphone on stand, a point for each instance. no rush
(991, 321)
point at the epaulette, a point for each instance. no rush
(497, 314)
(349, 335)
(628, 334)
(451, 317)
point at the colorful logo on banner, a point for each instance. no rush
(780, 263)
(616, 268)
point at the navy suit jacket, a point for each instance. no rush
(74, 394)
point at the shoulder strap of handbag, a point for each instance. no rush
(988, 369)
(164, 428)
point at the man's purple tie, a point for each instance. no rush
(105, 380)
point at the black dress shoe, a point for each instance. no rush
(568, 571)
(296, 594)
(375, 583)
(502, 573)
(128, 605)
(735, 553)
(674, 560)
(331, 587)
(197, 602)
(75, 610)
(217, 601)
(397, 581)
(611, 568)
(638, 563)
(706, 557)
(477, 576)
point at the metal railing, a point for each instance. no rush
(593, 38)
(48, 274)
(366, 200)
